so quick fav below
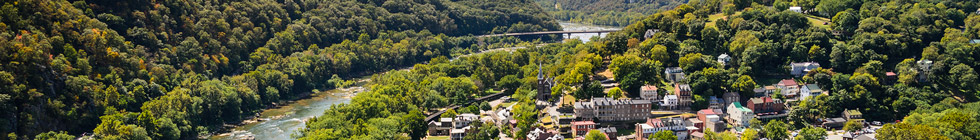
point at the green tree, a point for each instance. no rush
(775, 130)
(595, 135)
(414, 123)
(906, 131)
(510, 82)
(659, 53)
(853, 126)
(812, 133)
(750, 134)
(615, 93)
(51, 135)
(592, 89)
(699, 102)
(663, 135)
(482, 131)
(526, 115)
(745, 86)
(781, 5)
(965, 77)
(451, 113)
(729, 9)
(742, 40)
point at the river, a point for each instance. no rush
(586, 37)
(282, 122)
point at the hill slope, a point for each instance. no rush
(169, 69)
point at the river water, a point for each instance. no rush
(283, 122)
(585, 37)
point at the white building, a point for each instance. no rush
(464, 120)
(739, 116)
(648, 92)
(650, 32)
(724, 59)
(796, 9)
(538, 134)
(810, 90)
(925, 69)
(458, 134)
(789, 87)
(674, 74)
(670, 101)
(800, 69)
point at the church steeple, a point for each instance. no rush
(540, 72)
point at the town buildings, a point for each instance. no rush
(674, 74)
(789, 87)
(648, 92)
(890, 78)
(610, 132)
(461, 125)
(441, 127)
(654, 125)
(458, 134)
(724, 59)
(650, 127)
(650, 32)
(669, 102)
(800, 69)
(544, 85)
(683, 92)
(540, 134)
(765, 105)
(833, 123)
(739, 116)
(580, 128)
(715, 102)
(853, 115)
(925, 69)
(796, 9)
(810, 90)
(608, 109)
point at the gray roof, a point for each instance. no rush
(674, 70)
(684, 87)
(865, 137)
(582, 105)
(602, 101)
(813, 87)
(608, 130)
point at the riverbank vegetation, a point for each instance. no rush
(174, 69)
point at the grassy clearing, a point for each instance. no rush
(814, 20)
(715, 17)
(818, 21)
(437, 138)
(568, 99)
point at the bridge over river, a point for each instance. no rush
(563, 33)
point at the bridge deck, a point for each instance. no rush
(547, 33)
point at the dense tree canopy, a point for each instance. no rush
(173, 69)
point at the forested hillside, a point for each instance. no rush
(927, 44)
(606, 12)
(179, 69)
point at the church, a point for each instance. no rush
(544, 85)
